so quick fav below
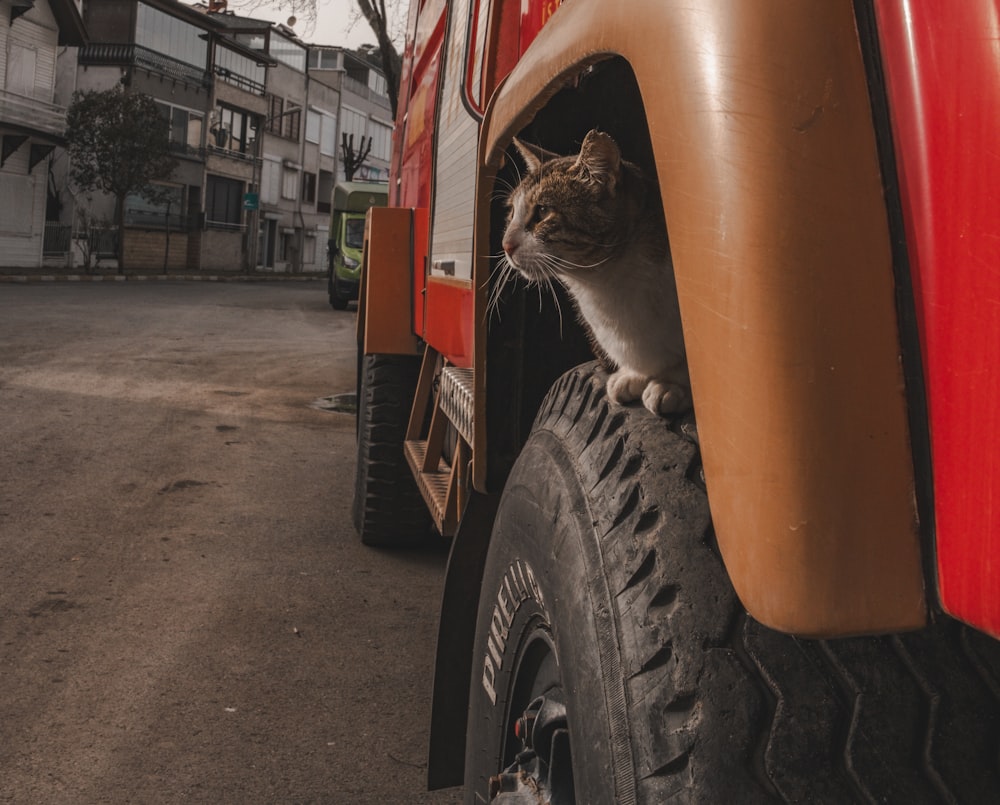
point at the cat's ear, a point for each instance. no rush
(533, 155)
(600, 160)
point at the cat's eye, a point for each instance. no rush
(539, 212)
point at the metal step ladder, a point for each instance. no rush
(439, 455)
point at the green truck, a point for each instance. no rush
(351, 201)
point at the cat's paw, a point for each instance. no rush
(625, 386)
(665, 398)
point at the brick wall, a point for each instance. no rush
(145, 250)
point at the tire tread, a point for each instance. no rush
(720, 707)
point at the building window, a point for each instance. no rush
(223, 202)
(234, 130)
(353, 122)
(270, 180)
(184, 126)
(274, 118)
(168, 208)
(381, 135)
(328, 138)
(377, 84)
(284, 118)
(309, 187)
(324, 191)
(286, 246)
(171, 36)
(290, 183)
(324, 59)
(22, 64)
(293, 121)
(288, 52)
(314, 123)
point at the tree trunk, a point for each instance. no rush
(120, 244)
(374, 12)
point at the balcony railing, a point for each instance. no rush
(241, 81)
(32, 113)
(139, 56)
(362, 89)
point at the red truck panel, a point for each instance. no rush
(943, 77)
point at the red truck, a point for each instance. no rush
(792, 593)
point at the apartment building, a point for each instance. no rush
(364, 111)
(32, 124)
(255, 128)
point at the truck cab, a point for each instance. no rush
(351, 200)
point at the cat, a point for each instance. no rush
(593, 223)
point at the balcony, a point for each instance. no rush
(138, 56)
(34, 116)
(363, 90)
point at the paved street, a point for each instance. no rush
(186, 614)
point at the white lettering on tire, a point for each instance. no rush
(517, 586)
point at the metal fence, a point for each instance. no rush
(102, 242)
(57, 239)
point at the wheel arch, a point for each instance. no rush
(764, 148)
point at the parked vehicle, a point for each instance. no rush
(351, 201)
(794, 593)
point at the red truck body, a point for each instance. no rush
(942, 74)
(830, 181)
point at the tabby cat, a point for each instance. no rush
(593, 222)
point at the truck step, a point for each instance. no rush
(435, 485)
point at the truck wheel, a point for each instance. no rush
(613, 662)
(388, 508)
(337, 301)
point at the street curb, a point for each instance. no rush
(34, 278)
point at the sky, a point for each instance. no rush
(334, 20)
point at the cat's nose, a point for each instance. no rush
(509, 246)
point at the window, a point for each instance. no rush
(171, 36)
(234, 130)
(139, 211)
(274, 118)
(354, 233)
(324, 191)
(21, 66)
(184, 125)
(377, 84)
(288, 52)
(290, 183)
(381, 135)
(328, 138)
(293, 121)
(309, 187)
(270, 180)
(285, 118)
(324, 59)
(353, 122)
(286, 246)
(314, 123)
(223, 201)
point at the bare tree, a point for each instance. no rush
(354, 159)
(374, 12)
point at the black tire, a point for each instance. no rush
(608, 627)
(388, 509)
(337, 302)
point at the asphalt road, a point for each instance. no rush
(186, 614)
